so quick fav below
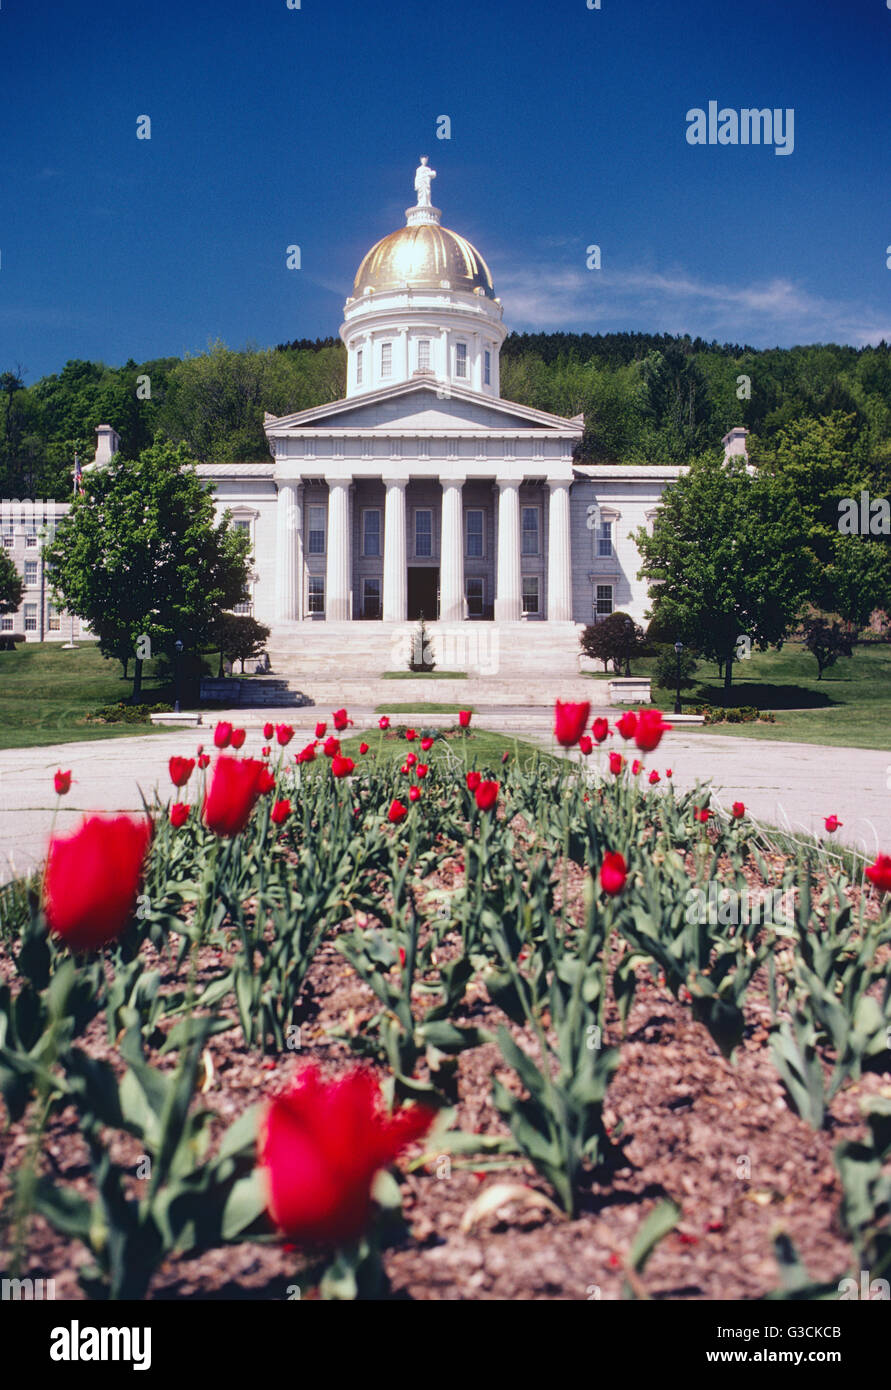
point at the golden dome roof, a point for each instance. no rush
(422, 256)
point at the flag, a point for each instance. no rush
(78, 476)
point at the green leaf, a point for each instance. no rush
(245, 1204)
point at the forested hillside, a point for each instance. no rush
(646, 399)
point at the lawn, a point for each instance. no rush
(850, 706)
(421, 707)
(424, 676)
(46, 692)
(480, 748)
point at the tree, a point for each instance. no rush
(859, 577)
(11, 586)
(143, 560)
(665, 672)
(728, 561)
(239, 638)
(617, 639)
(826, 641)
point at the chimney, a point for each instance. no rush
(735, 442)
(108, 442)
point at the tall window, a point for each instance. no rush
(424, 355)
(316, 594)
(530, 530)
(461, 359)
(530, 593)
(474, 524)
(30, 572)
(603, 600)
(359, 367)
(371, 598)
(371, 531)
(487, 368)
(30, 617)
(243, 527)
(53, 618)
(474, 592)
(386, 359)
(605, 540)
(6, 623)
(423, 533)
(316, 531)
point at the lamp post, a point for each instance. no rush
(678, 648)
(178, 649)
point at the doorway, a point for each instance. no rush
(423, 592)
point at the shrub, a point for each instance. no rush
(127, 714)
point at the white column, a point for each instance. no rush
(508, 596)
(289, 553)
(559, 554)
(451, 552)
(395, 558)
(337, 581)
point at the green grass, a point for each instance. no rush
(850, 706)
(45, 694)
(420, 707)
(424, 676)
(482, 748)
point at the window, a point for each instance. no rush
(30, 617)
(461, 359)
(603, 601)
(31, 540)
(424, 355)
(31, 572)
(423, 534)
(530, 593)
(53, 618)
(316, 596)
(474, 524)
(245, 609)
(371, 531)
(474, 590)
(244, 527)
(530, 530)
(316, 528)
(487, 368)
(371, 598)
(605, 540)
(386, 359)
(359, 367)
(6, 623)
(9, 539)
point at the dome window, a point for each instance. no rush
(461, 359)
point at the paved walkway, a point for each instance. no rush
(791, 785)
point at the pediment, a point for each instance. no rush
(420, 407)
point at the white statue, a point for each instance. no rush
(423, 179)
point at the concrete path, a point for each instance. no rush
(790, 785)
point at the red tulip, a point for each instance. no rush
(222, 735)
(307, 754)
(233, 792)
(363, 748)
(585, 745)
(411, 759)
(832, 824)
(321, 1145)
(179, 814)
(464, 716)
(62, 782)
(613, 873)
(340, 720)
(331, 746)
(421, 770)
(404, 769)
(402, 956)
(570, 721)
(200, 749)
(654, 778)
(701, 815)
(342, 767)
(384, 722)
(265, 782)
(268, 731)
(473, 780)
(280, 812)
(879, 873)
(738, 809)
(397, 812)
(203, 760)
(410, 735)
(636, 766)
(414, 793)
(627, 724)
(427, 744)
(668, 772)
(181, 770)
(320, 729)
(600, 729)
(650, 728)
(486, 795)
(283, 734)
(92, 879)
(616, 763)
(238, 737)
(504, 757)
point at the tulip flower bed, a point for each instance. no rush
(323, 1023)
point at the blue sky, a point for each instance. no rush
(273, 126)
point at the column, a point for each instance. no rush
(289, 552)
(337, 580)
(559, 554)
(508, 597)
(395, 558)
(451, 552)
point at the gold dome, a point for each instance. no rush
(422, 257)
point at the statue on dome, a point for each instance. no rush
(423, 179)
